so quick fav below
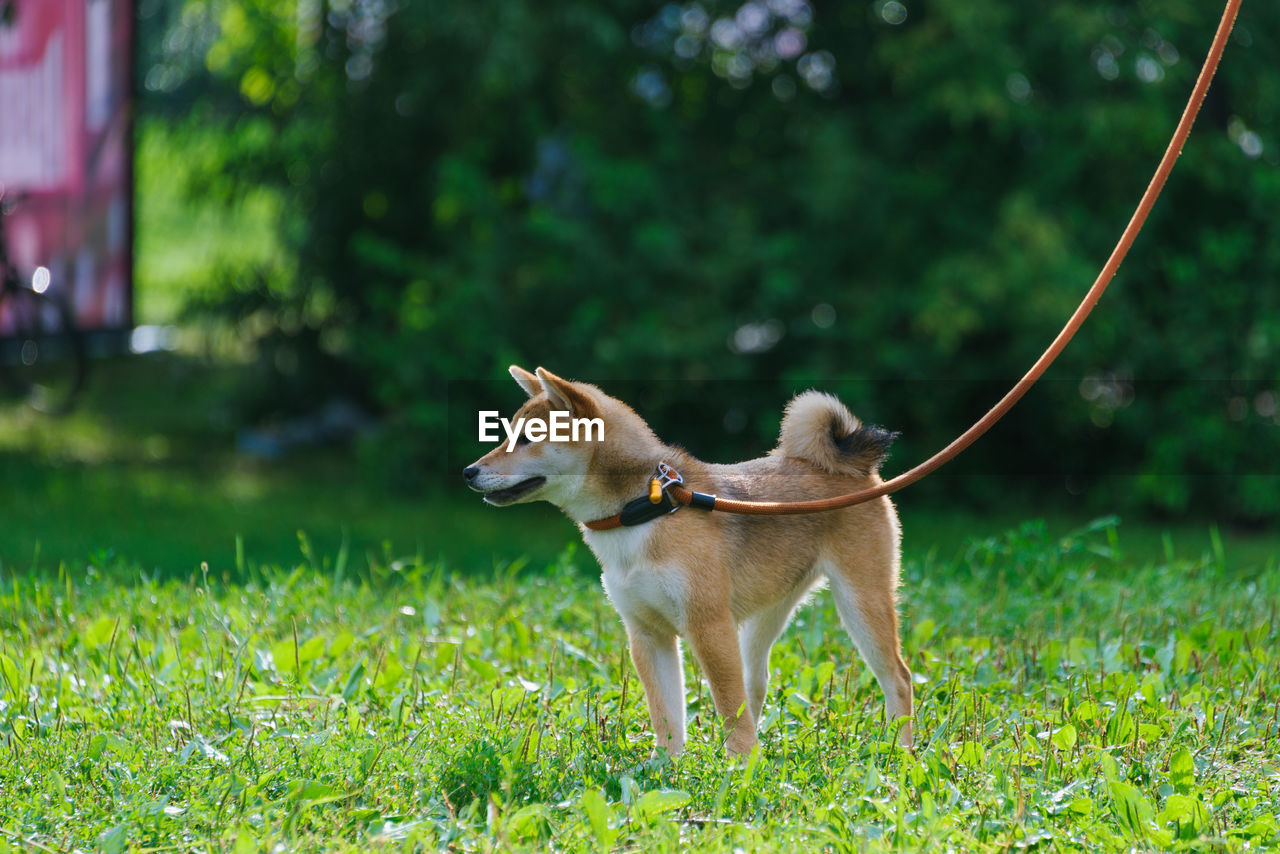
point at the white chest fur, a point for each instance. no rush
(639, 589)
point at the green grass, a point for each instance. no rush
(180, 669)
(1070, 696)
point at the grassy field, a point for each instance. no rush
(199, 650)
(1071, 698)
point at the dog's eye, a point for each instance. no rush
(522, 439)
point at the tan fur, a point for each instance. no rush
(527, 381)
(813, 425)
(807, 425)
(726, 584)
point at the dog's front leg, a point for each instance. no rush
(715, 643)
(656, 656)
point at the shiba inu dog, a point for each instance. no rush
(726, 584)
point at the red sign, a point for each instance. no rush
(65, 149)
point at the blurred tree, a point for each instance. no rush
(898, 201)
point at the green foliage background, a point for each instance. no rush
(903, 212)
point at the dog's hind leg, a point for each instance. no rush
(656, 657)
(756, 638)
(865, 599)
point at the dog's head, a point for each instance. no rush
(561, 427)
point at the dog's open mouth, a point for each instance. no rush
(514, 493)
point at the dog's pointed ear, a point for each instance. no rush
(524, 379)
(564, 394)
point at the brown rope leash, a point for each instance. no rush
(968, 437)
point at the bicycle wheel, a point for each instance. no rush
(41, 353)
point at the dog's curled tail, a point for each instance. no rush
(819, 429)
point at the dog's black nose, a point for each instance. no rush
(470, 473)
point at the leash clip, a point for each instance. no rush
(663, 477)
(657, 502)
(666, 475)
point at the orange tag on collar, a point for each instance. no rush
(655, 491)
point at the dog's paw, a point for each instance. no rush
(905, 738)
(741, 745)
(743, 758)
